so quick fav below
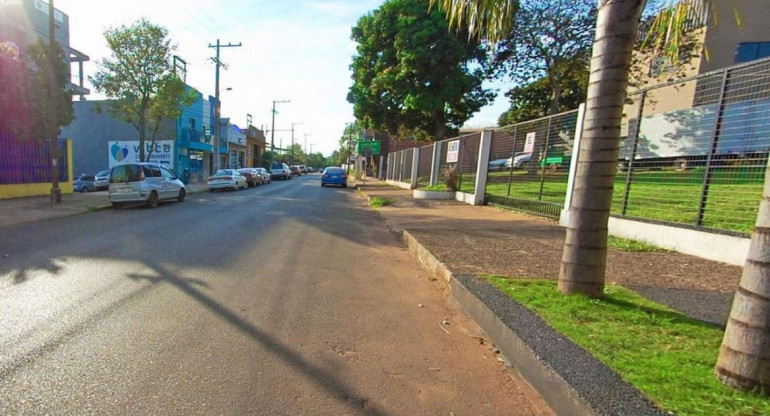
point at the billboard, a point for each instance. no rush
(122, 152)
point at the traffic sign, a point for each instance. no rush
(374, 145)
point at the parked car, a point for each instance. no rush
(253, 178)
(303, 169)
(321, 170)
(102, 180)
(265, 175)
(147, 183)
(280, 170)
(83, 183)
(334, 176)
(310, 169)
(295, 170)
(498, 164)
(227, 179)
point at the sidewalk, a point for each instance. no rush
(471, 240)
(17, 211)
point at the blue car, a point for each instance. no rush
(334, 176)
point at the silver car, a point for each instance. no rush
(265, 175)
(102, 180)
(147, 183)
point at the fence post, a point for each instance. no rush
(634, 146)
(513, 155)
(435, 164)
(573, 164)
(415, 167)
(482, 168)
(712, 151)
(545, 158)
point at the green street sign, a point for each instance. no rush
(374, 145)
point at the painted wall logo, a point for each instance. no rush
(122, 152)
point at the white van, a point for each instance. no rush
(147, 183)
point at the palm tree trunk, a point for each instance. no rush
(585, 248)
(744, 359)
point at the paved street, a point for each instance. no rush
(286, 299)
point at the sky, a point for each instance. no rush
(297, 50)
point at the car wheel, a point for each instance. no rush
(182, 195)
(323, 185)
(116, 205)
(152, 201)
(84, 190)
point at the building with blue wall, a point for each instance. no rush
(97, 137)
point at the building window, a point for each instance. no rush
(749, 51)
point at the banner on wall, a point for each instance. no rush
(122, 152)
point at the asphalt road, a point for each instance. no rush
(287, 299)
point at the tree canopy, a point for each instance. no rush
(25, 110)
(139, 78)
(411, 75)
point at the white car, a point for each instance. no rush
(147, 183)
(227, 179)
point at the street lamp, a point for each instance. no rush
(272, 128)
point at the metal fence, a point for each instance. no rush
(424, 166)
(694, 151)
(529, 164)
(29, 161)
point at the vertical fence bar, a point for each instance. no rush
(712, 150)
(545, 158)
(460, 150)
(634, 147)
(513, 155)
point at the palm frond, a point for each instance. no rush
(490, 20)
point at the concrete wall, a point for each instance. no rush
(91, 134)
(725, 33)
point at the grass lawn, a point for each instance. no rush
(674, 196)
(378, 202)
(666, 355)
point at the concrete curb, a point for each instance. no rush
(570, 379)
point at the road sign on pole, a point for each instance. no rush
(374, 145)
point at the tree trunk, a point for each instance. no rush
(744, 359)
(555, 98)
(439, 125)
(585, 248)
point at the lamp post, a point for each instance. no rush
(52, 57)
(292, 140)
(272, 127)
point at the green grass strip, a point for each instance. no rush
(636, 246)
(378, 202)
(666, 355)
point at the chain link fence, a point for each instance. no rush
(529, 164)
(424, 166)
(694, 151)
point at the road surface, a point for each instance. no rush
(287, 299)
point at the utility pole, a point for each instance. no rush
(307, 134)
(292, 140)
(53, 101)
(272, 128)
(218, 106)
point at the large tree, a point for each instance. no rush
(411, 75)
(744, 359)
(140, 80)
(26, 112)
(535, 100)
(550, 42)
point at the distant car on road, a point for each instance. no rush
(102, 180)
(334, 176)
(310, 169)
(147, 183)
(227, 179)
(295, 170)
(83, 183)
(280, 170)
(303, 169)
(265, 175)
(253, 178)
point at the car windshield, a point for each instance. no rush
(333, 170)
(224, 172)
(276, 166)
(103, 173)
(126, 173)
